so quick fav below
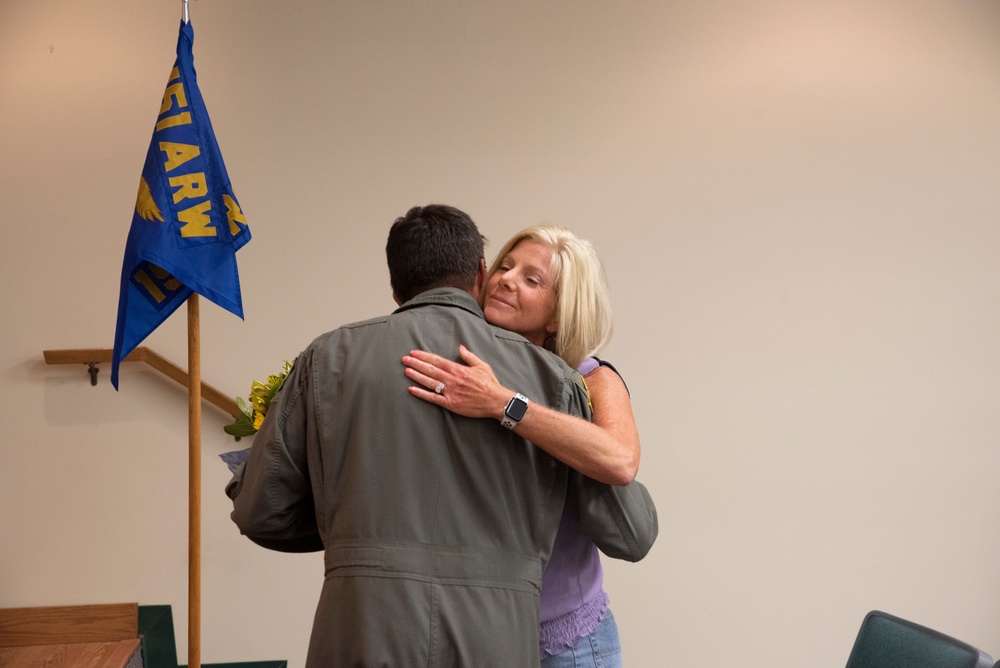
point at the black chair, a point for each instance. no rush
(890, 642)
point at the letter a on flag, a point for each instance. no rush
(187, 224)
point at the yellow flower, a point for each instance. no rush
(253, 410)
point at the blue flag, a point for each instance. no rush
(187, 224)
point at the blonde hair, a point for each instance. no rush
(584, 319)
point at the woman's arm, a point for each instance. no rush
(606, 450)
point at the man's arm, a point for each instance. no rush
(271, 491)
(621, 521)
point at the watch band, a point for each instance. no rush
(515, 410)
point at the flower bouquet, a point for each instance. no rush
(252, 414)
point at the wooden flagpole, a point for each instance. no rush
(194, 482)
(194, 465)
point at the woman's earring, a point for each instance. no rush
(550, 343)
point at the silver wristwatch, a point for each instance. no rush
(514, 411)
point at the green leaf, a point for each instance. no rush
(242, 405)
(239, 430)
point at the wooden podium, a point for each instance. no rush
(97, 636)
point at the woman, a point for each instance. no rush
(548, 285)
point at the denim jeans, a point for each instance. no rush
(601, 649)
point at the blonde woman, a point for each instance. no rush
(548, 285)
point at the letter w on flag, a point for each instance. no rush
(187, 224)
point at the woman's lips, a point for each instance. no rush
(500, 302)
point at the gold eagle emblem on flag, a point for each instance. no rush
(145, 206)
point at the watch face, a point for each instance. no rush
(516, 408)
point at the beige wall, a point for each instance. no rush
(797, 203)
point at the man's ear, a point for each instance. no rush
(477, 289)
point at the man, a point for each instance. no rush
(435, 527)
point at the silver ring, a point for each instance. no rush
(439, 389)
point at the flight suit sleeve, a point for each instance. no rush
(271, 492)
(621, 520)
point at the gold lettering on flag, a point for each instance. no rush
(234, 214)
(196, 222)
(190, 186)
(178, 154)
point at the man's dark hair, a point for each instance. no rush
(433, 246)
